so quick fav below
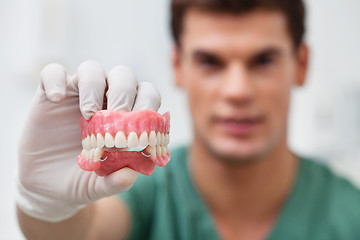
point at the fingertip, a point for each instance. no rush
(91, 81)
(91, 66)
(56, 97)
(53, 82)
(122, 71)
(87, 114)
(52, 69)
(89, 108)
(148, 97)
(122, 89)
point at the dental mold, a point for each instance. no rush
(114, 140)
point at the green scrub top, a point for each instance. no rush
(167, 206)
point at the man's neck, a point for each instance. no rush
(254, 192)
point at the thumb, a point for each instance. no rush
(116, 182)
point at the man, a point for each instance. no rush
(238, 61)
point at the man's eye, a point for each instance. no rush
(209, 62)
(263, 61)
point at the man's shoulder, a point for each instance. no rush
(337, 199)
(322, 205)
(321, 176)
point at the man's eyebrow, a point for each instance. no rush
(200, 53)
(270, 51)
(265, 52)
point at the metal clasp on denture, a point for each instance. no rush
(136, 149)
(128, 149)
(132, 149)
(145, 154)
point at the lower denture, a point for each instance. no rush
(108, 129)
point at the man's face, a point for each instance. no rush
(238, 72)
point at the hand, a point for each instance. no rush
(50, 184)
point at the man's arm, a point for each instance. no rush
(107, 218)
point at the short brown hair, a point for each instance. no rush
(293, 10)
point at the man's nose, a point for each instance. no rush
(237, 86)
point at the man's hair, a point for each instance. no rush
(293, 10)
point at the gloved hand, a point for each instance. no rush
(50, 185)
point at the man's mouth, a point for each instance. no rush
(113, 140)
(239, 126)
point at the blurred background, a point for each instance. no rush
(325, 116)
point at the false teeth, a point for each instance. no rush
(143, 139)
(152, 139)
(109, 140)
(100, 141)
(133, 140)
(97, 154)
(93, 141)
(113, 140)
(120, 140)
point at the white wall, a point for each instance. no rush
(325, 120)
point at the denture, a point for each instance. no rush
(114, 140)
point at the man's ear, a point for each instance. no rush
(302, 63)
(177, 65)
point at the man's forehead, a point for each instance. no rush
(216, 30)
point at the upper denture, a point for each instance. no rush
(138, 121)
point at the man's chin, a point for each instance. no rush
(237, 156)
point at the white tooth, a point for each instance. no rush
(158, 151)
(83, 152)
(97, 154)
(87, 154)
(120, 140)
(87, 143)
(83, 143)
(133, 140)
(158, 138)
(91, 156)
(143, 139)
(109, 140)
(152, 139)
(100, 140)
(93, 141)
(151, 151)
(163, 150)
(162, 139)
(167, 139)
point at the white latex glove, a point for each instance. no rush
(50, 185)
